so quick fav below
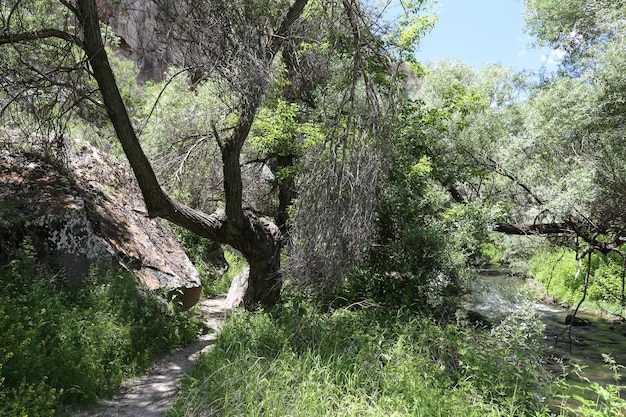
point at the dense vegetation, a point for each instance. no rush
(359, 186)
(365, 361)
(64, 343)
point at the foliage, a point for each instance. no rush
(427, 227)
(350, 362)
(576, 116)
(278, 129)
(595, 399)
(210, 260)
(557, 270)
(65, 342)
(176, 130)
(576, 27)
(492, 252)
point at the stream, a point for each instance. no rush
(498, 293)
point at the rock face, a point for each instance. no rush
(91, 216)
(237, 289)
(135, 23)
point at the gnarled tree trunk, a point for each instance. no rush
(258, 239)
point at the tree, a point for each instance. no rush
(579, 114)
(257, 238)
(236, 46)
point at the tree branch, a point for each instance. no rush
(40, 34)
(534, 229)
(294, 13)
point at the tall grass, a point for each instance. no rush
(558, 272)
(66, 343)
(365, 362)
(591, 399)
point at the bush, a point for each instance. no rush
(556, 271)
(215, 273)
(70, 343)
(607, 279)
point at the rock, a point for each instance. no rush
(551, 300)
(237, 289)
(478, 319)
(576, 321)
(135, 23)
(91, 216)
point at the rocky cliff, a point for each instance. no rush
(90, 216)
(135, 23)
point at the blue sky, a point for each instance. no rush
(482, 31)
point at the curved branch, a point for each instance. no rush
(40, 34)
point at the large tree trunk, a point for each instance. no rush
(258, 239)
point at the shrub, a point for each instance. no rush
(215, 274)
(557, 269)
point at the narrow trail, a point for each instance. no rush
(153, 394)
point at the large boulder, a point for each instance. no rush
(91, 216)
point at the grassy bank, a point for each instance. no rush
(562, 277)
(365, 361)
(62, 343)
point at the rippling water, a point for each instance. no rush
(498, 293)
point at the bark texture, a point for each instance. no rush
(258, 239)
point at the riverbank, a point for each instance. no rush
(568, 350)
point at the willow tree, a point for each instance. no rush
(236, 45)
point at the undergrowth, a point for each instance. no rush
(63, 343)
(365, 362)
(591, 399)
(558, 272)
(216, 271)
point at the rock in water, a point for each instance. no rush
(576, 321)
(91, 216)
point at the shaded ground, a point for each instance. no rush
(153, 394)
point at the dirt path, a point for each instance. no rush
(153, 394)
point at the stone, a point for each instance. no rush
(237, 290)
(91, 215)
(140, 35)
(576, 321)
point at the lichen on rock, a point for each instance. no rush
(89, 216)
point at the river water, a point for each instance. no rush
(498, 293)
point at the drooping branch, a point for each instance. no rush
(591, 237)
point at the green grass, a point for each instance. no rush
(367, 362)
(556, 271)
(63, 343)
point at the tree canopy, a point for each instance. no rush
(339, 62)
(307, 128)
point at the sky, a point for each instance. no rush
(483, 31)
